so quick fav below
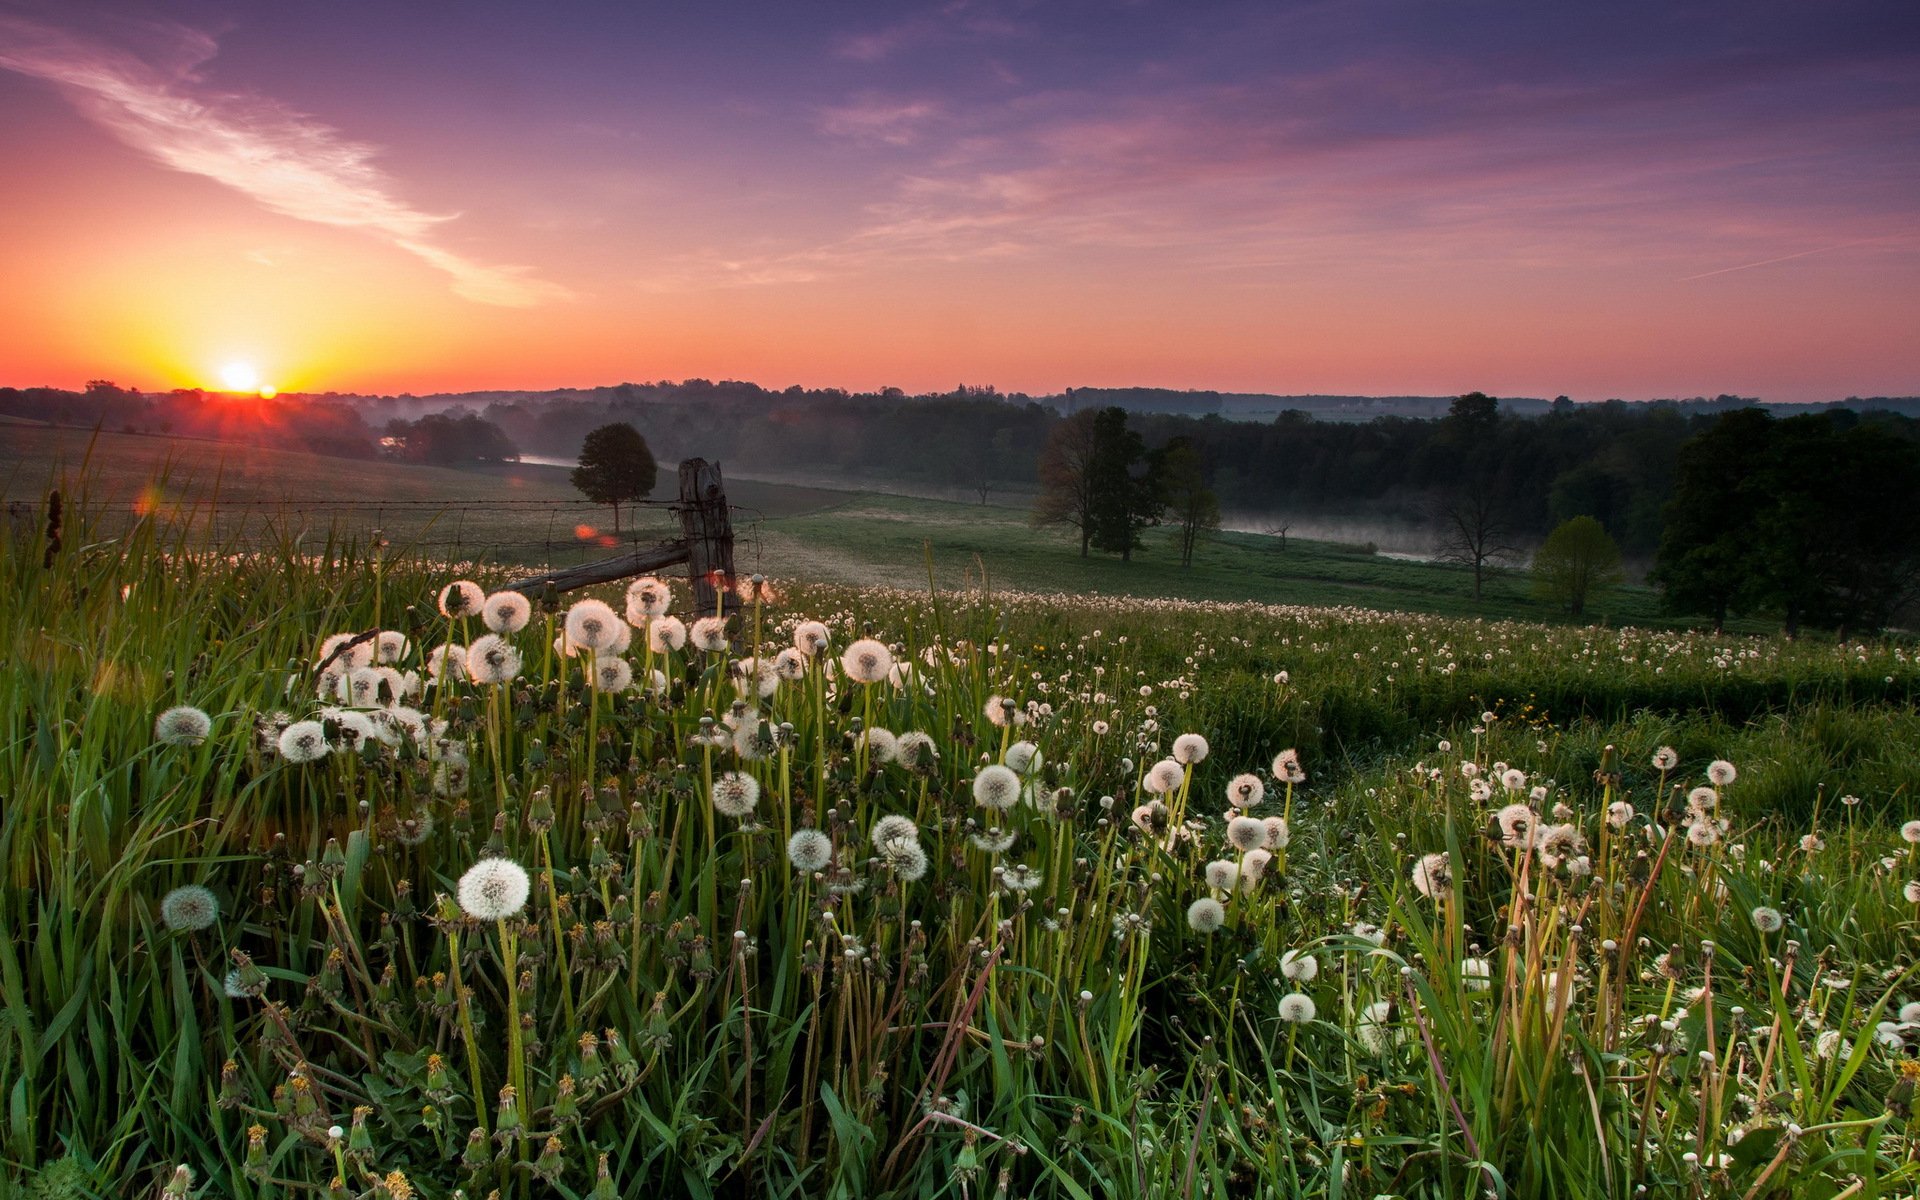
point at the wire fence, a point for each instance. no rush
(546, 534)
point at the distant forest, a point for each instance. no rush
(1614, 461)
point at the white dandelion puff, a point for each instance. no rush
(810, 638)
(1297, 1008)
(809, 850)
(1299, 966)
(866, 661)
(1721, 772)
(612, 675)
(492, 659)
(303, 742)
(1433, 875)
(182, 725)
(1206, 915)
(735, 793)
(709, 634)
(1245, 791)
(461, 598)
(1189, 748)
(1247, 833)
(506, 612)
(666, 635)
(592, 625)
(996, 787)
(647, 598)
(189, 908)
(494, 889)
(1163, 777)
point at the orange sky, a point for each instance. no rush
(382, 203)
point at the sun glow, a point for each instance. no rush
(240, 377)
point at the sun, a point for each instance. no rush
(243, 377)
(240, 377)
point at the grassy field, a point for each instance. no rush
(1061, 896)
(530, 515)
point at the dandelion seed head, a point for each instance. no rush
(866, 661)
(461, 598)
(1223, 874)
(708, 634)
(735, 793)
(612, 675)
(665, 635)
(506, 612)
(1664, 759)
(303, 742)
(1433, 875)
(1163, 777)
(494, 889)
(1299, 966)
(915, 750)
(592, 625)
(182, 725)
(189, 908)
(996, 787)
(891, 829)
(1189, 748)
(1297, 1008)
(647, 598)
(1206, 915)
(1721, 772)
(491, 659)
(1247, 833)
(1245, 791)
(809, 850)
(810, 638)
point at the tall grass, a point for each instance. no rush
(1020, 1008)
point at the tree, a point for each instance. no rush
(615, 466)
(1066, 476)
(1811, 518)
(1191, 503)
(1576, 561)
(1125, 485)
(1709, 548)
(1475, 529)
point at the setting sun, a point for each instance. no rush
(240, 377)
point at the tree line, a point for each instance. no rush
(1808, 519)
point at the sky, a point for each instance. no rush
(1346, 196)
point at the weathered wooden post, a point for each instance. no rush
(705, 544)
(706, 527)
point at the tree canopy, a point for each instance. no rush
(616, 466)
(1811, 518)
(1577, 561)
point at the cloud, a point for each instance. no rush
(285, 161)
(874, 118)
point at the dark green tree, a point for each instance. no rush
(1191, 504)
(1124, 483)
(1576, 562)
(615, 467)
(1709, 556)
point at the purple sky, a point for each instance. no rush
(1623, 199)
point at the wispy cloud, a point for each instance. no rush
(876, 118)
(157, 103)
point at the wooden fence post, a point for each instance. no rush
(707, 529)
(705, 544)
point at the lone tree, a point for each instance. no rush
(615, 466)
(1577, 561)
(1476, 529)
